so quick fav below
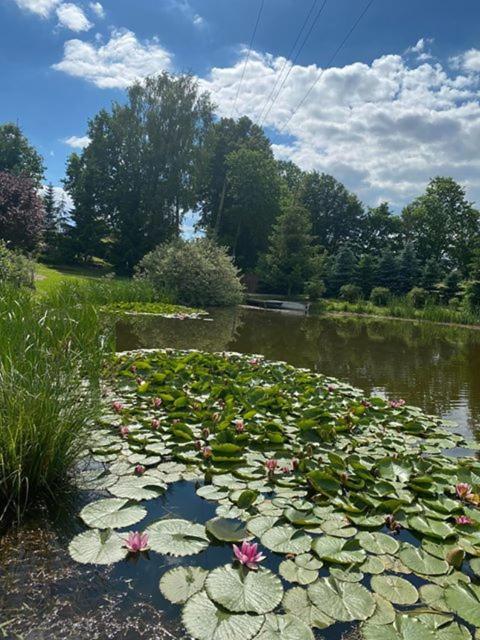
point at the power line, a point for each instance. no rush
(330, 61)
(312, 26)
(260, 10)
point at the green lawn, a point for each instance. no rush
(48, 277)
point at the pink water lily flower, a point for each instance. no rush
(139, 469)
(463, 520)
(396, 404)
(462, 489)
(271, 465)
(239, 426)
(248, 554)
(117, 406)
(207, 452)
(155, 423)
(136, 542)
(124, 431)
(157, 402)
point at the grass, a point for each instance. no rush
(48, 277)
(52, 351)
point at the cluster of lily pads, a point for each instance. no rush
(162, 309)
(354, 499)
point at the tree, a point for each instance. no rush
(291, 175)
(431, 275)
(367, 268)
(290, 263)
(21, 212)
(343, 270)
(336, 214)
(388, 272)
(17, 156)
(442, 224)
(408, 268)
(138, 176)
(380, 229)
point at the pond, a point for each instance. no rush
(44, 594)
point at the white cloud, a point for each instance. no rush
(420, 49)
(42, 8)
(468, 61)
(97, 9)
(186, 9)
(116, 64)
(77, 142)
(72, 17)
(383, 128)
(61, 197)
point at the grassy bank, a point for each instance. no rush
(49, 277)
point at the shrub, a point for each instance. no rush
(315, 289)
(51, 355)
(380, 296)
(350, 293)
(21, 212)
(417, 297)
(472, 294)
(196, 273)
(15, 269)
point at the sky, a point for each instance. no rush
(397, 104)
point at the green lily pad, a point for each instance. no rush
(420, 562)
(179, 584)
(97, 547)
(226, 529)
(464, 601)
(342, 601)
(286, 539)
(177, 537)
(289, 570)
(338, 550)
(403, 628)
(431, 527)
(378, 543)
(111, 513)
(395, 589)
(242, 591)
(297, 602)
(284, 627)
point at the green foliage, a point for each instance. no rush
(387, 274)
(196, 273)
(15, 268)
(343, 269)
(315, 289)
(51, 356)
(472, 294)
(380, 296)
(408, 268)
(350, 293)
(417, 297)
(153, 308)
(367, 268)
(17, 156)
(431, 275)
(380, 229)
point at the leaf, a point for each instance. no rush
(97, 547)
(463, 601)
(242, 591)
(286, 539)
(289, 570)
(395, 589)
(260, 524)
(405, 627)
(227, 530)
(205, 621)
(453, 631)
(378, 543)
(420, 562)
(177, 537)
(111, 513)
(246, 499)
(134, 488)
(342, 601)
(384, 612)
(324, 483)
(431, 527)
(179, 584)
(297, 602)
(284, 627)
(338, 550)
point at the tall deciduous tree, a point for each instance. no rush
(336, 213)
(17, 155)
(21, 212)
(442, 224)
(380, 228)
(135, 180)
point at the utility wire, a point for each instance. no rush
(312, 26)
(330, 61)
(260, 10)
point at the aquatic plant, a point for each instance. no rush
(136, 542)
(372, 523)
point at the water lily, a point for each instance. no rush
(155, 423)
(133, 369)
(124, 431)
(239, 426)
(248, 554)
(139, 469)
(396, 404)
(271, 465)
(198, 445)
(254, 362)
(157, 402)
(136, 542)
(205, 432)
(207, 452)
(330, 388)
(295, 463)
(117, 406)
(463, 489)
(139, 380)
(216, 417)
(465, 520)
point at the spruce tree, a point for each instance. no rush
(409, 268)
(366, 273)
(388, 272)
(431, 275)
(344, 269)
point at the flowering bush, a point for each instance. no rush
(15, 269)
(197, 273)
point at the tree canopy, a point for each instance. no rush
(18, 156)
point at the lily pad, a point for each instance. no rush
(404, 628)
(179, 584)
(112, 513)
(297, 602)
(378, 543)
(420, 562)
(177, 537)
(342, 601)
(465, 601)
(395, 589)
(226, 529)
(289, 570)
(338, 550)
(285, 627)
(97, 547)
(286, 539)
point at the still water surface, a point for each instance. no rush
(44, 595)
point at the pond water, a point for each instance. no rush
(45, 595)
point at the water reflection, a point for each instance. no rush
(432, 366)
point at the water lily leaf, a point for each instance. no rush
(284, 627)
(286, 539)
(204, 620)
(210, 492)
(433, 595)
(404, 628)
(338, 527)
(97, 547)
(289, 570)
(384, 612)
(308, 561)
(465, 602)
(179, 584)
(338, 550)
(395, 589)
(260, 524)
(372, 565)
(342, 601)
(242, 591)
(431, 527)
(475, 566)
(246, 499)
(135, 488)
(111, 513)
(378, 543)
(227, 530)
(346, 575)
(420, 562)
(297, 602)
(177, 537)
(454, 631)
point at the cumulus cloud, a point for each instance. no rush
(420, 50)
(185, 8)
(72, 17)
(97, 9)
(383, 128)
(116, 64)
(77, 142)
(42, 8)
(468, 61)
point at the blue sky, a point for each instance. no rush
(400, 103)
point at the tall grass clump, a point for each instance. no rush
(109, 291)
(52, 351)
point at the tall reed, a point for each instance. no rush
(52, 350)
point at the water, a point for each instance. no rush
(45, 595)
